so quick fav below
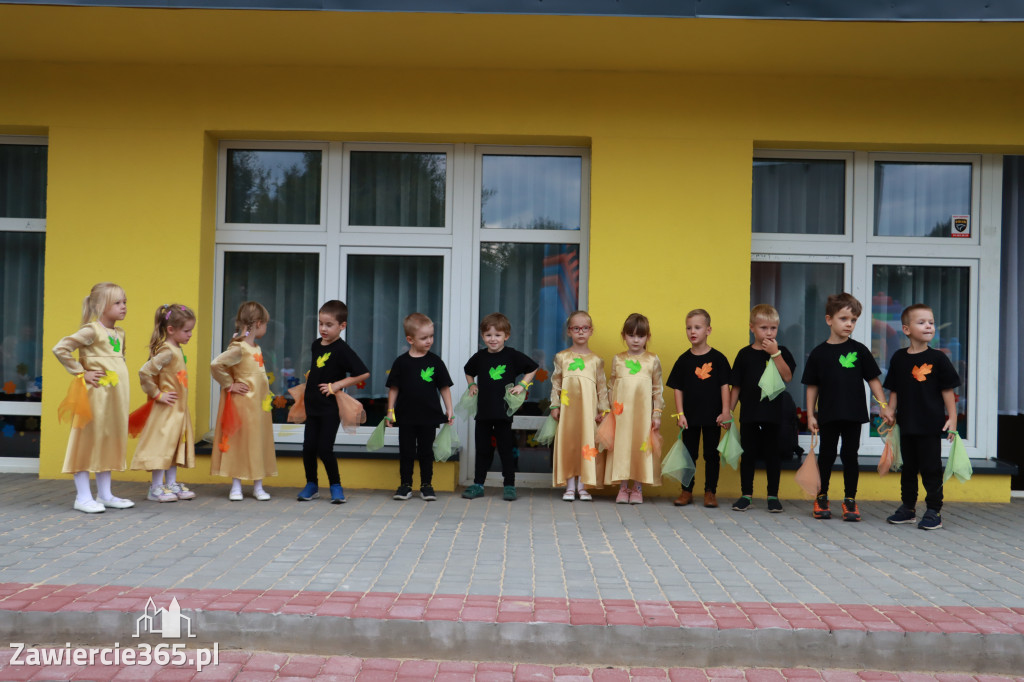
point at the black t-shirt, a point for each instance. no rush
(419, 381)
(493, 372)
(700, 378)
(839, 370)
(746, 372)
(329, 363)
(918, 381)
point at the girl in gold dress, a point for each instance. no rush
(166, 441)
(97, 402)
(243, 443)
(635, 391)
(580, 401)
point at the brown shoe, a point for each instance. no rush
(709, 500)
(684, 499)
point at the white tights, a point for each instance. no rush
(84, 492)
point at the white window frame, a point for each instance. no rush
(222, 170)
(865, 250)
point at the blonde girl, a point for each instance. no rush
(98, 400)
(635, 393)
(579, 400)
(167, 439)
(243, 445)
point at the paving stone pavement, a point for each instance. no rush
(538, 546)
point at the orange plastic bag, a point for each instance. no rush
(230, 422)
(604, 437)
(808, 476)
(76, 405)
(137, 419)
(351, 412)
(297, 413)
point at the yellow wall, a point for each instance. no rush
(132, 174)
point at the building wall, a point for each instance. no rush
(132, 172)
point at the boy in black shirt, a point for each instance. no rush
(488, 372)
(334, 366)
(759, 427)
(700, 378)
(923, 380)
(416, 378)
(835, 374)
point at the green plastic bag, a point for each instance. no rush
(466, 407)
(376, 440)
(546, 433)
(514, 401)
(958, 464)
(771, 382)
(678, 463)
(446, 443)
(729, 446)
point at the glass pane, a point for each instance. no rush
(19, 436)
(276, 187)
(536, 286)
(531, 192)
(919, 199)
(287, 284)
(947, 290)
(397, 189)
(798, 291)
(382, 290)
(23, 180)
(21, 317)
(799, 196)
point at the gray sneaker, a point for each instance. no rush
(161, 493)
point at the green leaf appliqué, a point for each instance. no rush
(497, 372)
(427, 374)
(632, 365)
(577, 365)
(848, 360)
(115, 343)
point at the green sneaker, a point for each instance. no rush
(474, 491)
(510, 493)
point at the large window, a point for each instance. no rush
(892, 229)
(452, 231)
(23, 163)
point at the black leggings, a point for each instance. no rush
(830, 435)
(759, 440)
(712, 460)
(416, 443)
(501, 431)
(318, 442)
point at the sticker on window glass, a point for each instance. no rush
(961, 226)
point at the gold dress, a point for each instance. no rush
(167, 440)
(248, 453)
(100, 444)
(636, 386)
(578, 390)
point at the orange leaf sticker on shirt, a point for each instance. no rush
(704, 371)
(542, 375)
(183, 378)
(617, 407)
(589, 452)
(921, 373)
(258, 357)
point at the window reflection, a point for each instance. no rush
(278, 187)
(531, 192)
(919, 199)
(799, 196)
(397, 189)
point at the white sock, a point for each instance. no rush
(158, 478)
(172, 475)
(257, 486)
(82, 488)
(103, 486)
(236, 486)
(570, 484)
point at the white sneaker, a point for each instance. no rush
(181, 491)
(261, 495)
(161, 493)
(235, 496)
(116, 503)
(89, 506)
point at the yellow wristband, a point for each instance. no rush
(330, 387)
(776, 354)
(677, 415)
(525, 384)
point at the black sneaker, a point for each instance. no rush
(821, 510)
(930, 521)
(427, 493)
(741, 504)
(404, 492)
(774, 506)
(903, 515)
(851, 512)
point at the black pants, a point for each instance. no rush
(830, 435)
(415, 443)
(501, 431)
(921, 455)
(759, 440)
(712, 460)
(318, 442)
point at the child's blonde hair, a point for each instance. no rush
(637, 325)
(168, 315)
(249, 315)
(413, 322)
(699, 312)
(575, 313)
(905, 315)
(99, 299)
(763, 311)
